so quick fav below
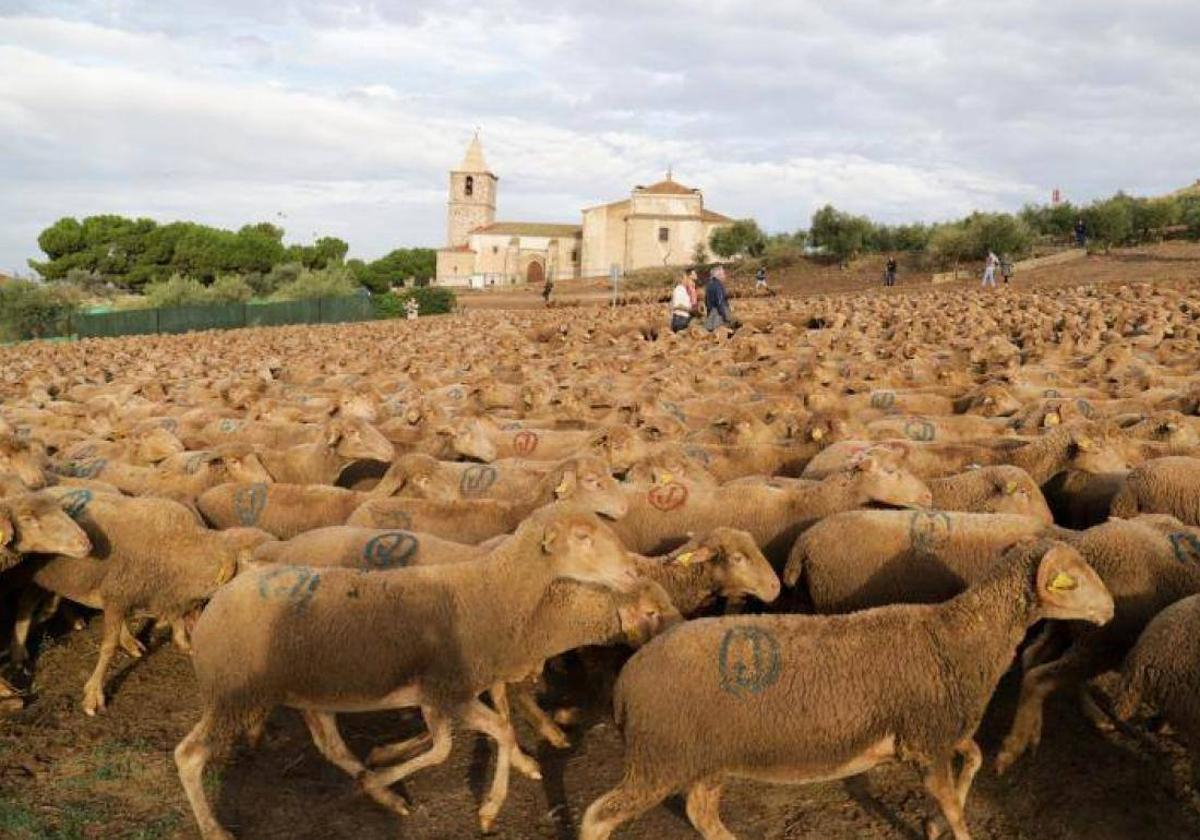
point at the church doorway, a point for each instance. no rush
(535, 275)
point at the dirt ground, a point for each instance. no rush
(65, 776)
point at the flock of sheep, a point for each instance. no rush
(868, 508)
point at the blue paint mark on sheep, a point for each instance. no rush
(294, 584)
(84, 468)
(920, 430)
(75, 502)
(477, 480)
(1050, 393)
(883, 399)
(699, 454)
(748, 660)
(195, 462)
(392, 518)
(169, 423)
(228, 426)
(249, 503)
(1186, 548)
(390, 550)
(928, 530)
(675, 411)
(1085, 408)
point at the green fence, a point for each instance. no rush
(181, 319)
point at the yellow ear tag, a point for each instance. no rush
(226, 572)
(563, 487)
(1010, 488)
(818, 433)
(1063, 582)
(1052, 419)
(685, 559)
(666, 478)
(1084, 444)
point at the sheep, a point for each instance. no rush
(20, 459)
(284, 510)
(811, 698)
(1164, 485)
(371, 549)
(1163, 670)
(321, 462)
(1148, 563)
(1080, 500)
(10, 698)
(332, 640)
(584, 482)
(665, 516)
(34, 523)
(147, 555)
(920, 556)
(996, 489)
(417, 475)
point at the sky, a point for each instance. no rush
(343, 118)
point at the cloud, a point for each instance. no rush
(345, 116)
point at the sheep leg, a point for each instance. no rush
(526, 765)
(93, 689)
(480, 718)
(130, 643)
(972, 758)
(27, 605)
(944, 788)
(704, 810)
(1038, 651)
(620, 805)
(191, 756)
(389, 753)
(325, 734)
(376, 783)
(528, 706)
(180, 635)
(1036, 686)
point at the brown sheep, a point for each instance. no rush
(812, 698)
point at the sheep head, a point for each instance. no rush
(1069, 589)
(357, 439)
(39, 525)
(587, 483)
(577, 546)
(886, 483)
(646, 612)
(739, 566)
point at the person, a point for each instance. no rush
(889, 271)
(690, 281)
(412, 309)
(681, 305)
(716, 301)
(989, 270)
(1006, 269)
(547, 290)
(1080, 233)
(760, 278)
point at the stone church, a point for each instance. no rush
(659, 225)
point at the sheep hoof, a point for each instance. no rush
(1004, 761)
(567, 717)
(526, 765)
(933, 828)
(487, 819)
(556, 739)
(133, 648)
(93, 701)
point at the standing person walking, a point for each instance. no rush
(1006, 268)
(1080, 233)
(547, 290)
(889, 271)
(989, 270)
(716, 301)
(760, 278)
(681, 304)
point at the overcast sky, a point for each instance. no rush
(342, 118)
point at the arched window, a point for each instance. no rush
(469, 188)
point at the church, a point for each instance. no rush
(659, 225)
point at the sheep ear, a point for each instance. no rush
(550, 537)
(566, 485)
(229, 566)
(1053, 575)
(1084, 444)
(334, 433)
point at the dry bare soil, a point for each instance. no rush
(66, 776)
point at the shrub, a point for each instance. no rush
(742, 238)
(176, 291)
(230, 289)
(335, 281)
(433, 300)
(998, 232)
(949, 245)
(840, 235)
(35, 310)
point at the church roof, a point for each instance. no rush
(667, 187)
(473, 160)
(713, 216)
(530, 229)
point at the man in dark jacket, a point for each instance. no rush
(716, 302)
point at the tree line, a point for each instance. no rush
(1116, 221)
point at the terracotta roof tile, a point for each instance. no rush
(667, 187)
(530, 229)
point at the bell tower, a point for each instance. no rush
(472, 196)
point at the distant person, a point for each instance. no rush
(547, 290)
(1080, 234)
(889, 272)
(412, 309)
(716, 301)
(681, 304)
(760, 278)
(689, 280)
(1006, 268)
(989, 270)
